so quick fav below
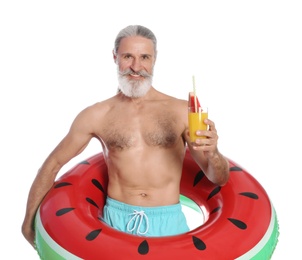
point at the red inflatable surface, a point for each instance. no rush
(238, 216)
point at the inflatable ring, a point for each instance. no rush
(240, 221)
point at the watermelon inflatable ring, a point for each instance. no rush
(240, 221)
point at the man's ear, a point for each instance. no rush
(155, 57)
(114, 56)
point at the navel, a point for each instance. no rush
(143, 194)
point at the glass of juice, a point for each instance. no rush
(196, 116)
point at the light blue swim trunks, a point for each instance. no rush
(145, 221)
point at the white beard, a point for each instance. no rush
(134, 88)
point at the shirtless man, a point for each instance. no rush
(144, 135)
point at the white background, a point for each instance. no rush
(55, 59)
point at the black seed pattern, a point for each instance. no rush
(63, 211)
(198, 243)
(97, 184)
(198, 177)
(92, 202)
(84, 162)
(238, 223)
(235, 169)
(214, 192)
(250, 195)
(215, 210)
(93, 234)
(143, 248)
(62, 184)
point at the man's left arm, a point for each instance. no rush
(206, 154)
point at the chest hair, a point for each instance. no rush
(158, 131)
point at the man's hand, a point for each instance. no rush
(29, 233)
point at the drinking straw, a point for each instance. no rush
(194, 91)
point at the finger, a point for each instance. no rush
(211, 125)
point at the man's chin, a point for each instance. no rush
(134, 90)
(138, 93)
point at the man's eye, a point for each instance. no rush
(145, 57)
(127, 57)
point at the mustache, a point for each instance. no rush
(129, 71)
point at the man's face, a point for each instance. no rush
(135, 60)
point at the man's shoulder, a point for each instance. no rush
(103, 103)
(177, 101)
(170, 98)
(98, 108)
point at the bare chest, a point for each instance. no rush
(124, 132)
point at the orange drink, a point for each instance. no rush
(196, 122)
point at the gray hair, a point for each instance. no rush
(135, 30)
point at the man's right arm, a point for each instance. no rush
(72, 144)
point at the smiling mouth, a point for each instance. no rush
(136, 75)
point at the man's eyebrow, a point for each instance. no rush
(128, 53)
(149, 55)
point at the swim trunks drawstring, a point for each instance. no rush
(138, 216)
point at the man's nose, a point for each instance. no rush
(136, 65)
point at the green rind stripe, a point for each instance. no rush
(268, 250)
(266, 246)
(47, 248)
(44, 250)
(189, 203)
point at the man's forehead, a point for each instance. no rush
(136, 44)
